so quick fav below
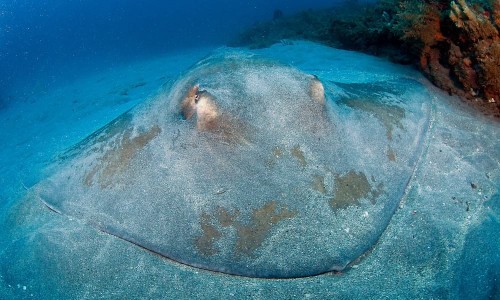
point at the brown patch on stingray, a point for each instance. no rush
(116, 160)
(205, 243)
(277, 153)
(389, 115)
(225, 217)
(391, 155)
(350, 188)
(249, 236)
(318, 183)
(252, 235)
(299, 155)
(88, 180)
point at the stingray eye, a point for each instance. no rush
(196, 98)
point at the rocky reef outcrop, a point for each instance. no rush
(456, 44)
(458, 47)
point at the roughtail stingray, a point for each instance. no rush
(248, 167)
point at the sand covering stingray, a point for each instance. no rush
(249, 167)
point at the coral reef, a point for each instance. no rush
(456, 44)
(474, 38)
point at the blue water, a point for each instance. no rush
(48, 40)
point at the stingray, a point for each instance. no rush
(249, 167)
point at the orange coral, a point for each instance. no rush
(480, 41)
(459, 50)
